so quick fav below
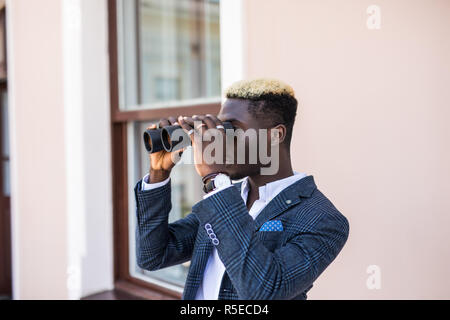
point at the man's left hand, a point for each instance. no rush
(205, 127)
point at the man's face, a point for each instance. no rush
(236, 112)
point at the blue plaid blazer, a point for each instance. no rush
(259, 264)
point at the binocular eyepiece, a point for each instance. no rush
(170, 138)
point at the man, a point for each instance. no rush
(268, 237)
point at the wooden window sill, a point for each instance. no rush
(125, 290)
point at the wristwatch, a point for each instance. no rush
(220, 180)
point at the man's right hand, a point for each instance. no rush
(162, 162)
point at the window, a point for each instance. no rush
(164, 61)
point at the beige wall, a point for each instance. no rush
(38, 192)
(372, 129)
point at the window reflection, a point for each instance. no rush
(169, 52)
(186, 191)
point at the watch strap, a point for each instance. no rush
(210, 176)
(208, 181)
(209, 186)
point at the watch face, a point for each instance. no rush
(221, 180)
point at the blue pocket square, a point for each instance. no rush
(274, 225)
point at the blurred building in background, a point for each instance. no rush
(80, 80)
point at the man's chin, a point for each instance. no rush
(234, 172)
(237, 172)
(235, 177)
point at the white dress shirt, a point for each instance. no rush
(215, 269)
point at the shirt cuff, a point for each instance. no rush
(215, 191)
(149, 186)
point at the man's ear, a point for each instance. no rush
(277, 134)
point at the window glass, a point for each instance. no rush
(168, 52)
(186, 191)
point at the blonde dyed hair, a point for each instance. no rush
(257, 88)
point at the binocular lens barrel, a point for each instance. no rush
(152, 141)
(174, 138)
(170, 138)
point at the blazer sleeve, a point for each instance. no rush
(158, 243)
(258, 273)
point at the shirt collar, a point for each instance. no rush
(270, 190)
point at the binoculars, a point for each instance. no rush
(170, 138)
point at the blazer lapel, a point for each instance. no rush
(238, 185)
(286, 199)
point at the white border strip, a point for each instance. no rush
(73, 141)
